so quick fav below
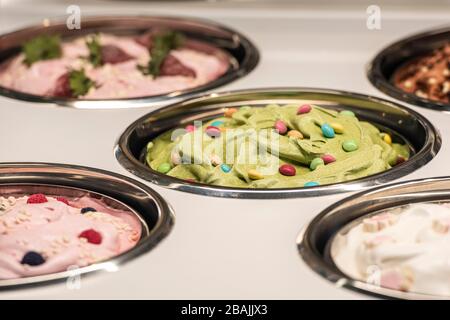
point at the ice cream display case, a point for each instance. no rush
(91, 179)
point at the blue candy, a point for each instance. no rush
(225, 168)
(327, 130)
(217, 123)
(311, 184)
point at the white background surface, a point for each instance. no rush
(219, 248)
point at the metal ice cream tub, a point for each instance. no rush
(318, 240)
(241, 55)
(113, 190)
(404, 124)
(383, 67)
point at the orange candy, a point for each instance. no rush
(229, 112)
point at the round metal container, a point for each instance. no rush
(233, 46)
(404, 124)
(316, 240)
(382, 68)
(116, 191)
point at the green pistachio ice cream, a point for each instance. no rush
(275, 146)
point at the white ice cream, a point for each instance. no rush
(406, 249)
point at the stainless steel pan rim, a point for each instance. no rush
(154, 212)
(313, 241)
(402, 51)
(243, 55)
(214, 104)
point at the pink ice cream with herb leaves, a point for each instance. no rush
(106, 66)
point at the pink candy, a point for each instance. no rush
(304, 109)
(280, 126)
(190, 128)
(287, 170)
(328, 158)
(212, 131)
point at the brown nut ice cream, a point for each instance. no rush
(427, 76)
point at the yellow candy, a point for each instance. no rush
(338, 128)
(295, 134)
(254, 175)
(229, 112)
(387, 138)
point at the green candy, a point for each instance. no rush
(315, 163)
(350, 145)
(164, 167)
(347, 113)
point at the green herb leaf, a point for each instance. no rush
(95, 52)
(162, 45)
(44, 47)
(79, 83)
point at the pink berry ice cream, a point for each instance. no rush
(106, 66)
(41, 234)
